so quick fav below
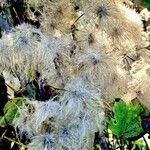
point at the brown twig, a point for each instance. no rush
(17, 16)
(11, 140)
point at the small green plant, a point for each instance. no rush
(10, 111)
(126, 126)
(126, 122)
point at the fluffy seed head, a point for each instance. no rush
(30, 50)
(43, 142)
(54, 15)
(102, 12)
(101, 73)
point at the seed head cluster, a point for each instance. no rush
(79, 56)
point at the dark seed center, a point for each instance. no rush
(102, 12)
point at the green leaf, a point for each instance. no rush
(2, 121)
(140, 143)
(146, 3)
(98, 147)
(146, 112)
(126, 122)
(11, 108)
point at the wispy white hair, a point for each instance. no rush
(35, 122)
(72, 139)
(100, 72)
(45, 112)
(81, 107)
(55, 16)
(23, 122)
(78, 98)
(103, 12)
(130, 28)
(69, 138)
(42, 142)
(29, 50)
